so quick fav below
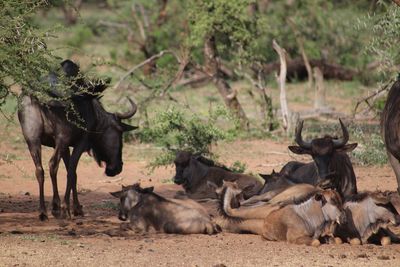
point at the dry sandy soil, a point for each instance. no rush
(97, 239)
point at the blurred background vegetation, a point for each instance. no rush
(210, 69)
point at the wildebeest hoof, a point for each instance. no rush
(315, 243)
(56, 213)
(78, 212)
(355, 241)
(65, 214)
(43, 217)
(386, 241)
(338, 241)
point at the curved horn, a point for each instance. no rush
(299, 139)
(129, 113)
(344, 140)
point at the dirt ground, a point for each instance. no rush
(97, 239)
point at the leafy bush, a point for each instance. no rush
(174, 129)
(370, 150)
(81, 35)
(238, 167)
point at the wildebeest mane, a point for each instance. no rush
(357, 197)
(211, 163)
(103, 119)
(145, 191)
(343, 172)
(298, 200)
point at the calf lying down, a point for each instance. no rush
(368, 216)
(299, 220)
(148, 211)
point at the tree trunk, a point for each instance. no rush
(212, 68)
(71, 11)
(320, 95)
(281, 81)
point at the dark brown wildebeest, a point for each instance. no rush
(275, 183)
(148, 211)
(330, 162)
(367, 217)
(193, 172)
(390, 125)
(100, 132)
(297, 217)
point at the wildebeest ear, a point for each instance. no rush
(347, 148)
(126, 127)
(213, 186)
(148, 189)
(299, 150)
(116, 194)
(320, 197)
(267, 177)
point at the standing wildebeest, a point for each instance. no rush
(330, 162)
(390, 125)
(100, 132)
(193, 172)
(148, 211)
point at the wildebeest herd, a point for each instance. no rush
(303, 203)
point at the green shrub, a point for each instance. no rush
(176, 129)
(371, 148)
(238, 167)
(81, 35)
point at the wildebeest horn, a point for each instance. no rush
(344, 140)
(129, 113)
(299, 139)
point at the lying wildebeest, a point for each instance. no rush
(299, 220)
(193, 172)
(231, 204)
(367, 217)
(390, 125)
(330, 162)
(148, 211)
(49, 125)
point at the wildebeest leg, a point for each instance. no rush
(36, 153)
(65, 206)
(72, 180)
(396, 168)
(53, 166)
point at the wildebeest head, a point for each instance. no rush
(107, 142)
(129, 197)
(366, 214)
(322, 149)
(70, 68)
(189, 169)
(332, 205)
